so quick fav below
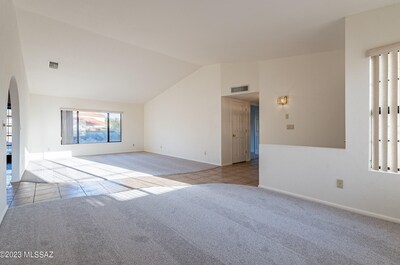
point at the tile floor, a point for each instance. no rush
(23, 193)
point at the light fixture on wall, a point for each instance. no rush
(283, 100)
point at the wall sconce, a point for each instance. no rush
(283, 100)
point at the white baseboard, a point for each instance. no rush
(3, 214)
(339, 206)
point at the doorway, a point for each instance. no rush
(240, 132)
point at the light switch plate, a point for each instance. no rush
(289, 126)
(339, 183)
(287, 116)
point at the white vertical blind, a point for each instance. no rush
(67, 134)
(374, 75)
(383, 111)
(392, 119)
(398, 110)
(385, 98)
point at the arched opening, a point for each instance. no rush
(13, 133)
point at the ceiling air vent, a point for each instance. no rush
(239, 89)
(53, 65)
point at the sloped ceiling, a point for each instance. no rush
(131, 50)
(92, 66)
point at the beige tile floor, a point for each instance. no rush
(23, 193)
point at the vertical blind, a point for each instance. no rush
(385, 100)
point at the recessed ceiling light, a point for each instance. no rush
(53, 65)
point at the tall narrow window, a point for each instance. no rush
(78, 127)
(384, 89)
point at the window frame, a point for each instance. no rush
(77, 126)
(384, 70)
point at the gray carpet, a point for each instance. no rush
(100, 167)
(204, 224)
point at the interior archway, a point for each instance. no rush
(15, 149)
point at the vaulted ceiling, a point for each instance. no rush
(132, 50)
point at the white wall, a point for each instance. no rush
(312, 172)
(239, 74)
(185, 120)
(315, 86)
(11, 65)
(45, 127)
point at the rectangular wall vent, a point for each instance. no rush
(239, 89)
(53, 65)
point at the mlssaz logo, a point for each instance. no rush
(39, 254)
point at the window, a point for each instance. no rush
(384, 107)
(115, 127)
(80, 127)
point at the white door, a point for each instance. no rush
(239, 131)
(256, 132)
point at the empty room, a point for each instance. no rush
(200, 132)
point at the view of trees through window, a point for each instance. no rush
(115, 127)
(90, 127)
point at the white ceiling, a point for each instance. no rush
(92, 66)
(138, 48)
